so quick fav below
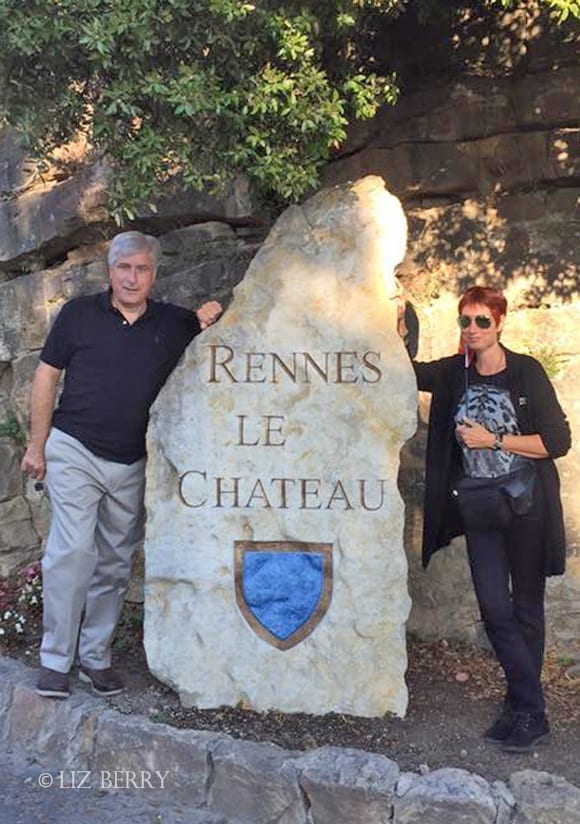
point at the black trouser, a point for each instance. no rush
(514, 617)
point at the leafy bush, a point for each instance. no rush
(189, 90)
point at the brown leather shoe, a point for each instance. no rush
(52, 684)
(103, 681)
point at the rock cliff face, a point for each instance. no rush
(487, 168)
(488, 171)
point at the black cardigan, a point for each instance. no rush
(537, 411)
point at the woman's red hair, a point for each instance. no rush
(488, 296)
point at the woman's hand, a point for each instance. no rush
(401, 323)
(474, 435)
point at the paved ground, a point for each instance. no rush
(84, 798)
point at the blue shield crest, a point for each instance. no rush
(283, 589)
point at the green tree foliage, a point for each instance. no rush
(195, 90)
(198, 89)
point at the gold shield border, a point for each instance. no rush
(240, 549)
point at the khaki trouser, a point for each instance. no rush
(97, 524)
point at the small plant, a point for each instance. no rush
(552, 361)
(159, 717)
(20, 605)
(30, 597)
(565, 660)
(12, 625)
(10, 428)
(129, 634)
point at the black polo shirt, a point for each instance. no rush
(114, 370)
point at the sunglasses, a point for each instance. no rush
(481, 321)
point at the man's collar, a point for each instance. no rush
(104, 300)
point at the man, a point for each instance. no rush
(117, 349)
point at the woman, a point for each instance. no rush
(495, 427)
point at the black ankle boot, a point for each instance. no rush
(528, 730)
(501, 729)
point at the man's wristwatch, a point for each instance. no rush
(498, 443)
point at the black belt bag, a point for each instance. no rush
(492, 503)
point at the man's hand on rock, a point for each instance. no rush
(209, 313)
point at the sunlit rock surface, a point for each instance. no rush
(275, 570)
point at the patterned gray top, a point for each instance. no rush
(490, 404)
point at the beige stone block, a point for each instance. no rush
(280, 433)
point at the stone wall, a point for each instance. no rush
(244, 782)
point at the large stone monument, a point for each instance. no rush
(275, 569)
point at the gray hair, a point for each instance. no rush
(132, 243)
